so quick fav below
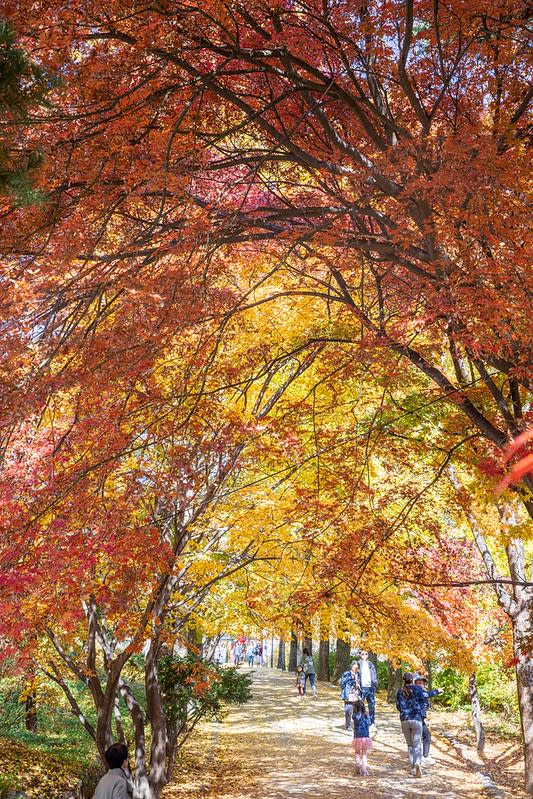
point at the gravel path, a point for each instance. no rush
(282, 746)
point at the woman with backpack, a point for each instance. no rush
(411, 702)
(309, 670)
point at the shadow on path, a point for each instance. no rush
(281, 746)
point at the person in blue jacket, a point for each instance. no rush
(361, 743)
(426, 732)
(411, 702)
(350, 684)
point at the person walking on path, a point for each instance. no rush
(411, 702)
(350, 684)
(426, 732)
(361, 743)
(309, 671)
(300, 680)
(116, 784)
(369, 683)
(250, 654)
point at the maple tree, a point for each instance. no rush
(373, 539)
(121, 497)
(359, 171)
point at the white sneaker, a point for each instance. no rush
(428, 761)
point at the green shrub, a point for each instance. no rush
(382, 669)
(192, 689)
(454, 687)
(497, 690)
(11, 709)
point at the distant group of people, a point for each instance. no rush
(360, 682)
(358, 691)
(254, 654)
(239, 651)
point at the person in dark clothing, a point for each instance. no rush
(362, 743)
(426, 732)
(350, 692)
(411, 703)
(309, 670)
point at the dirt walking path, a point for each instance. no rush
(281, 746)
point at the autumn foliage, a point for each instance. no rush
(268, 322)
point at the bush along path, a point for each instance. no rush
(281, 746)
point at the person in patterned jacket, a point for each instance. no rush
(411, 703)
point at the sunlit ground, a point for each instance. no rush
(281, 746)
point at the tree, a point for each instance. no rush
(293, 652)
(121, 499)
(323, 672)
(361, 170)
(192, 691)
(281, 664)
(400, 132)
(499, 533)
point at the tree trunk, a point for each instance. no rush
(208, 650)
(121, 738)
(323, 660)
(476, 713)
(342, 659)
(104, 716)
(158, 722)
(281, 655)
(520, 611)
(142, 788)
(522, 638)
(30, 711)
(293, 652)
(394, 682)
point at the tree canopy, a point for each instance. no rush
(266, 325)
